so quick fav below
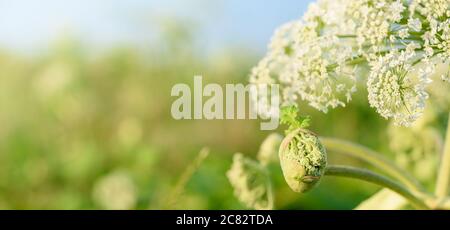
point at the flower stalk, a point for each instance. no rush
(444, 170)
(373, 158)
(369, 176)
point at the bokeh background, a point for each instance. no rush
(85, 105)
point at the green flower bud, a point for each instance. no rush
(269, 149)
(303, 160)
(251, 183)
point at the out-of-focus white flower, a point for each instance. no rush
(251, 183)
(439, 90)
(54, 79)
(417, 148)
(115, 191)
(268, 151)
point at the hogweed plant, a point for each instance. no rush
(400, 49)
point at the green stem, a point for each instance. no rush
(368, 176)
(346, 36)
(420, 59)
(373, 158)
(177, 191)
(351, 61)
(444, 170)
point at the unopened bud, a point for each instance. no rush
(303, 160)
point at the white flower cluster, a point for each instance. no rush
(251, 183)
(268, 152)
(316, 58)
(393, 91)
(115, 191)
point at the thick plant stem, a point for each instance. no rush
(444, 170)
(368, 176)
(373, 158)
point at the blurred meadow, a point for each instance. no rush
(88, 126)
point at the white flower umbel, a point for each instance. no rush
(316, 58)
(308, 60)
(396, 92)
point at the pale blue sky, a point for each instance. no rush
(27, 24)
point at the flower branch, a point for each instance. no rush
(368, 176)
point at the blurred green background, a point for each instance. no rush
(88, 128)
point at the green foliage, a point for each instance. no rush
(290, 117)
